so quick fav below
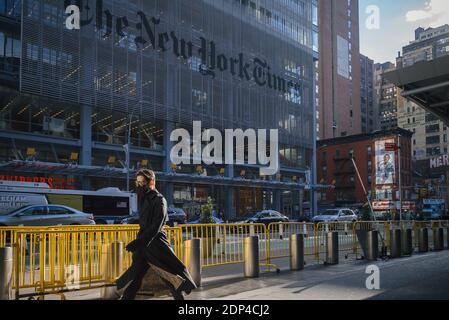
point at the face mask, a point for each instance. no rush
(141, 189)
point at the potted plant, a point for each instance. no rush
(206, 233)
(207, 212)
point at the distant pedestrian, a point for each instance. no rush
(151, 247)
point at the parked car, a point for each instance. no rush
(174, 215)
(334, 215)
(266, 217)
(215, 216)
(134, 219)
(303, 219)
(50, 215)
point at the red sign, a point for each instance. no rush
(383, 205)
(391, 147)
(408, 205)
(53, 182)
(390, 205)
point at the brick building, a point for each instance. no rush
(339, 111)
(378, 168)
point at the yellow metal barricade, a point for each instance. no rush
(64, 259)
(346, 238)
(223, 244)
(280, 233)
(55, 260)
(7, 236)
(381, 227)
(418, 225)
(434, 226)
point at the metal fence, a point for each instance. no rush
(223, 244)
(280, 234)
(56, 260)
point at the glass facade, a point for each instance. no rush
(138, 69)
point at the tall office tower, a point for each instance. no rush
(339, 66)
(367, 105)
(84, 107)
(386, 97)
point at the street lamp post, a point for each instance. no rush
(400, 177)
(127, 156)
(127, 147)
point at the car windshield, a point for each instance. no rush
(330, 213)
(14, 211)
(175, 211)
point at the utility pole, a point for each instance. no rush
(400, 178)
(364, 189)
(127, 148)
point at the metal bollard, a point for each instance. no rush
(193, 261)
(373, 246)
(251, 265)
(423, 240)
(447, 238)
(438, 239)
(296, 252)
(407, 242)
(332, 248)
(395, 243)
(113, 266)
(6, 273)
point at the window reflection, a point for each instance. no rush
(113, 128)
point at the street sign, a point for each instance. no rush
(391, 146)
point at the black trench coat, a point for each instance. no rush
(157, 251)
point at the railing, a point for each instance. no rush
(223, 244)
(56, 260)
(346, 238)
(280, 233)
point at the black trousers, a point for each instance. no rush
(141, 266)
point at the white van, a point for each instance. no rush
(10, 201)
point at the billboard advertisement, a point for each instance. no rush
(385, 163)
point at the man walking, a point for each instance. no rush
(151, 247)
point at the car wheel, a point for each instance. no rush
(100, 222)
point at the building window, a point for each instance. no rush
(315, 14)
(433, 140)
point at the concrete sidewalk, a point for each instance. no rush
(424, 276)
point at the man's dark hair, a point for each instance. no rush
(148, 174)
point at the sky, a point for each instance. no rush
(398, 20)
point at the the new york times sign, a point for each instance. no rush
(212, 61)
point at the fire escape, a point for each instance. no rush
(345, 177)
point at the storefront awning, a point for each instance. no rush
(31, 167)
(426, 84)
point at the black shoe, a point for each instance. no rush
(177, 294)
(187, 287)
